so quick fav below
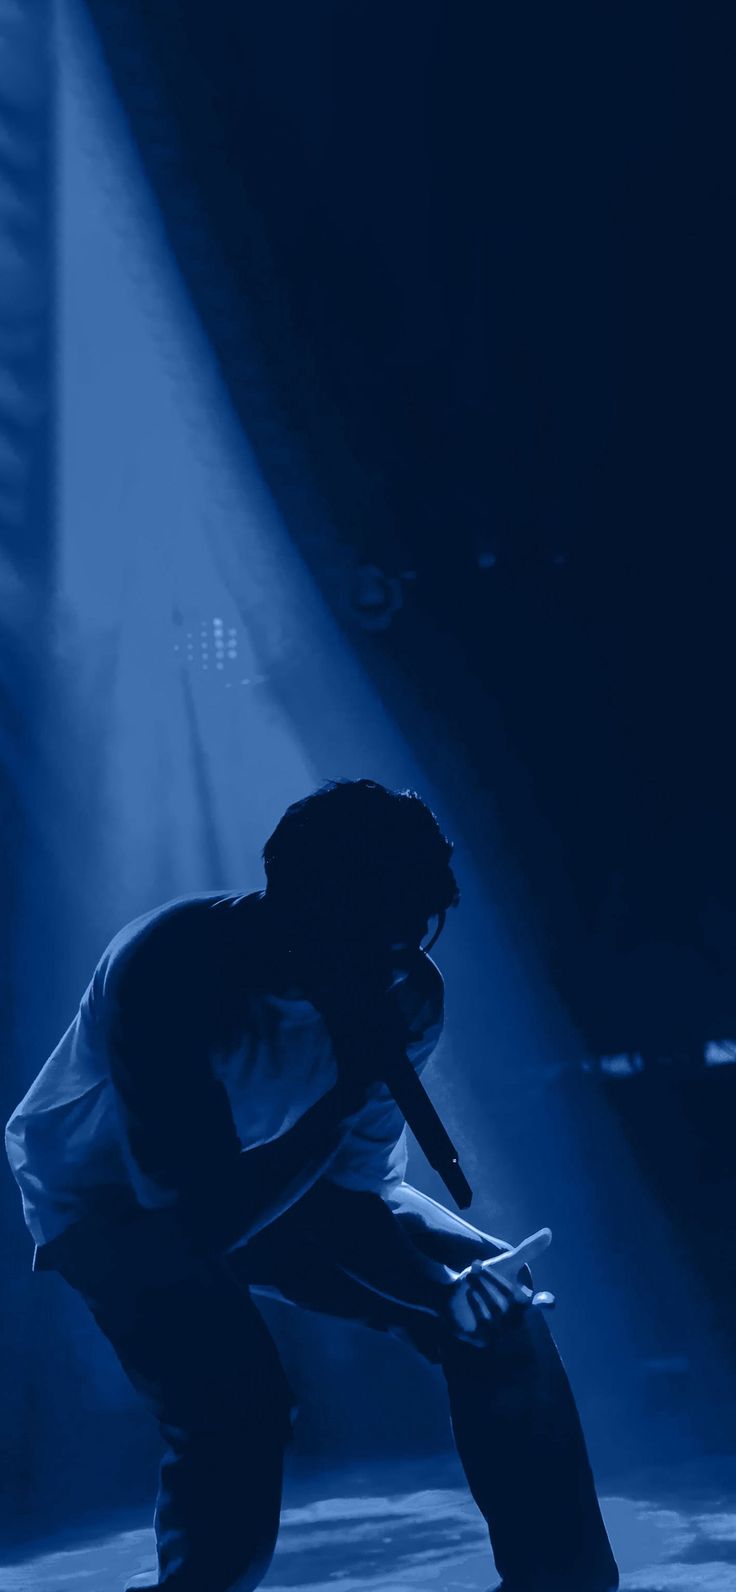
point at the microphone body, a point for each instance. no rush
(370, 1035)
(429, 1131)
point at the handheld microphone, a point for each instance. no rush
(429, 1131)
(364, 1026)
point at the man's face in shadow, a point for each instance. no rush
(346, 940)
(392, 941)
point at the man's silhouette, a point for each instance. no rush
(213, 1124)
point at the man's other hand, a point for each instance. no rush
(485, 1292)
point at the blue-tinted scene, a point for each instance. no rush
(368, 875)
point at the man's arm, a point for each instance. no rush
(364, 1236)
(361, 1232)
(350, 1205)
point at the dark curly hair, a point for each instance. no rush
(357, 842)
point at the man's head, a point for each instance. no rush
(361, 862)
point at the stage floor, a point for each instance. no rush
(677, 1537)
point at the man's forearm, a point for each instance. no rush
(261, 1183)
(361, 1233)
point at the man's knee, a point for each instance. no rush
(519, 1351)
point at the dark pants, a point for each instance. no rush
(195, 1347)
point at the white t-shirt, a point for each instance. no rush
(66, 1140)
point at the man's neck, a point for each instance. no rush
(276, 951)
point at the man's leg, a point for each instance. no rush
(195, 1348)
(513, 1414)
(517, 1430)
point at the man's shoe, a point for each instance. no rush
(507, 1586)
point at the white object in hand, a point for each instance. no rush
(487, 1290)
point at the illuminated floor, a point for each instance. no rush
(432, 1540)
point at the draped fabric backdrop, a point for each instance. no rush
(27, 322)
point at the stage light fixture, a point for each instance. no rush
(375, 597)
